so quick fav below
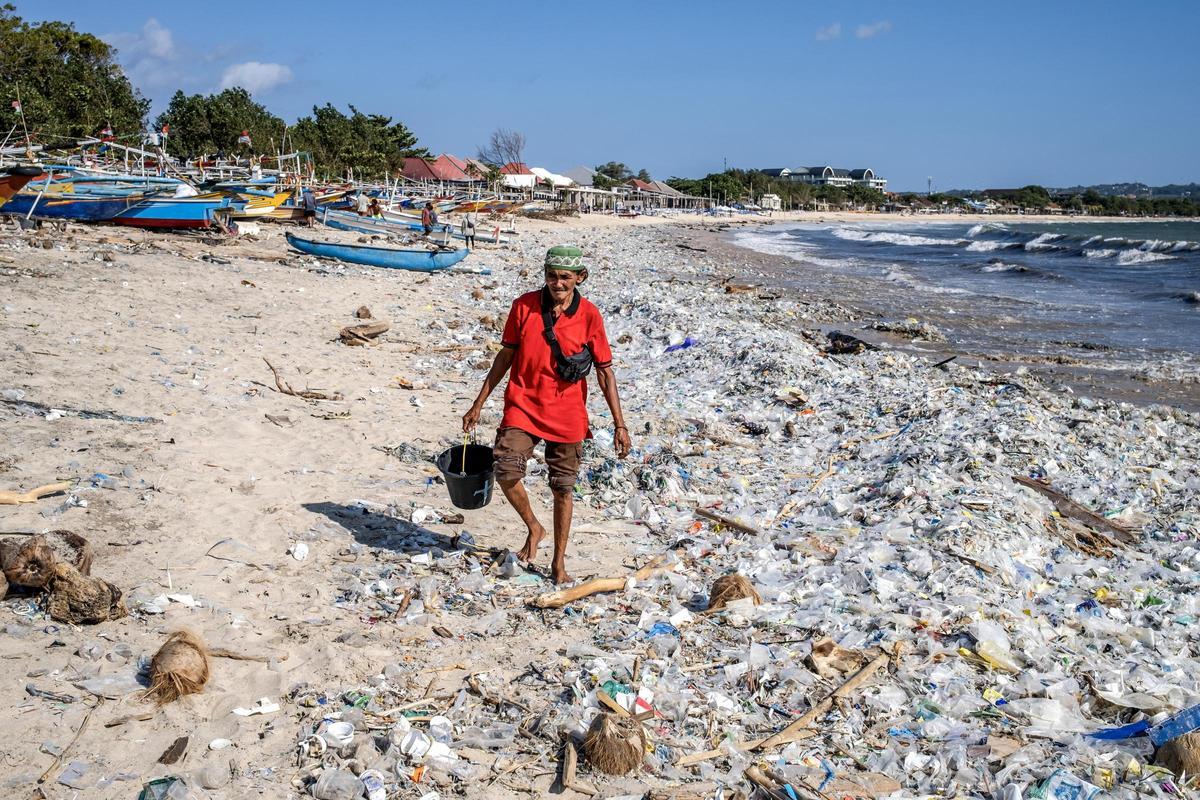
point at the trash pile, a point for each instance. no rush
(943, 582)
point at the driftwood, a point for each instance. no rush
(357, 335)
(308, 394)
(562, 597)
(800, 728)
(728, 522)
(1069, 508)
(33, 495)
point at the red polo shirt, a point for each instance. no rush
(538, 401)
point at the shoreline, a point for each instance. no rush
(1126, 383)
(850, 478)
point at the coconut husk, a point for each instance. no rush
(615, 745)
(734, 586)
(83, 600)
(179, 667)
(1181, 755)
(29, 562)
(73, 549)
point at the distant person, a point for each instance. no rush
(469, 221)
(429, 218)
(363, 205)
(308, 201)
(375, 208)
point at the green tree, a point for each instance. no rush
(208, 123)
(371, 144)
(610, 174)
(70, 83)
(644, 175)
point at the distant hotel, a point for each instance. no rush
(829, 176)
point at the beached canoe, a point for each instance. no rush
(174, 212)
(13, 179)
(68, 206)
(388, 226)
(388, 257)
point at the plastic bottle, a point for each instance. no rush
(337, 784)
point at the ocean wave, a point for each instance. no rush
(986, 227)
(1044, 241)
(987, 246)
(897, 275)
(1000, 266)
(1130, 257)
(888, 237)
(1100, 252)
(1192, 298)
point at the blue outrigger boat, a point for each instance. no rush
(388, 257)
(69, 206)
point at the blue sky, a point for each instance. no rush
(975, 95)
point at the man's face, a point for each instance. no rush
(561, 283)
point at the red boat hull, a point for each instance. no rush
(11, 184)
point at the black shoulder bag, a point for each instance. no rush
(571, 369)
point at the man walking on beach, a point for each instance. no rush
(551, 340)
(308, 202)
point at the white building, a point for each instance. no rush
(829, 176)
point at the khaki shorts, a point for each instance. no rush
(514, 447)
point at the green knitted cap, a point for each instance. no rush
(565, 256)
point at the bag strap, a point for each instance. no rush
(551, 338)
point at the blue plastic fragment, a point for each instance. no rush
(1123, 732)
(1175, 726)
(662, 628)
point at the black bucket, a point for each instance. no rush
(470, 486)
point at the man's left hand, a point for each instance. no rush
(621, 441)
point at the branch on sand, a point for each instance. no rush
(598, 585)
(1069, 508)
(358, 335)
(308, 394)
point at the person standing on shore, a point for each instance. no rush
(552, 339)
(428, 218)
(468, 228)
(308, 201)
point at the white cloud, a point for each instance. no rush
(255, 76)
(874, 29)
(153, 41)
(829, 32)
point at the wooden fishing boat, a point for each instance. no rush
(174, 212)
(69, 206)
(387, 257)
(13, 179)
(395, 225)
(260, 205)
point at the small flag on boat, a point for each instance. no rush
(244, 138)
(16, 105)
(166, 130)
(106, 133)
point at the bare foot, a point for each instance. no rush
(558, 574)
(528, 553)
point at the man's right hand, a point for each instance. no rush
(471, 418)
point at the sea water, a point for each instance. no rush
(1122, 289)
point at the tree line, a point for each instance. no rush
(738, 185)
(70, 87)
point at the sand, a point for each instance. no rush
(177, 328)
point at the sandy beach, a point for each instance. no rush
(832, 465)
